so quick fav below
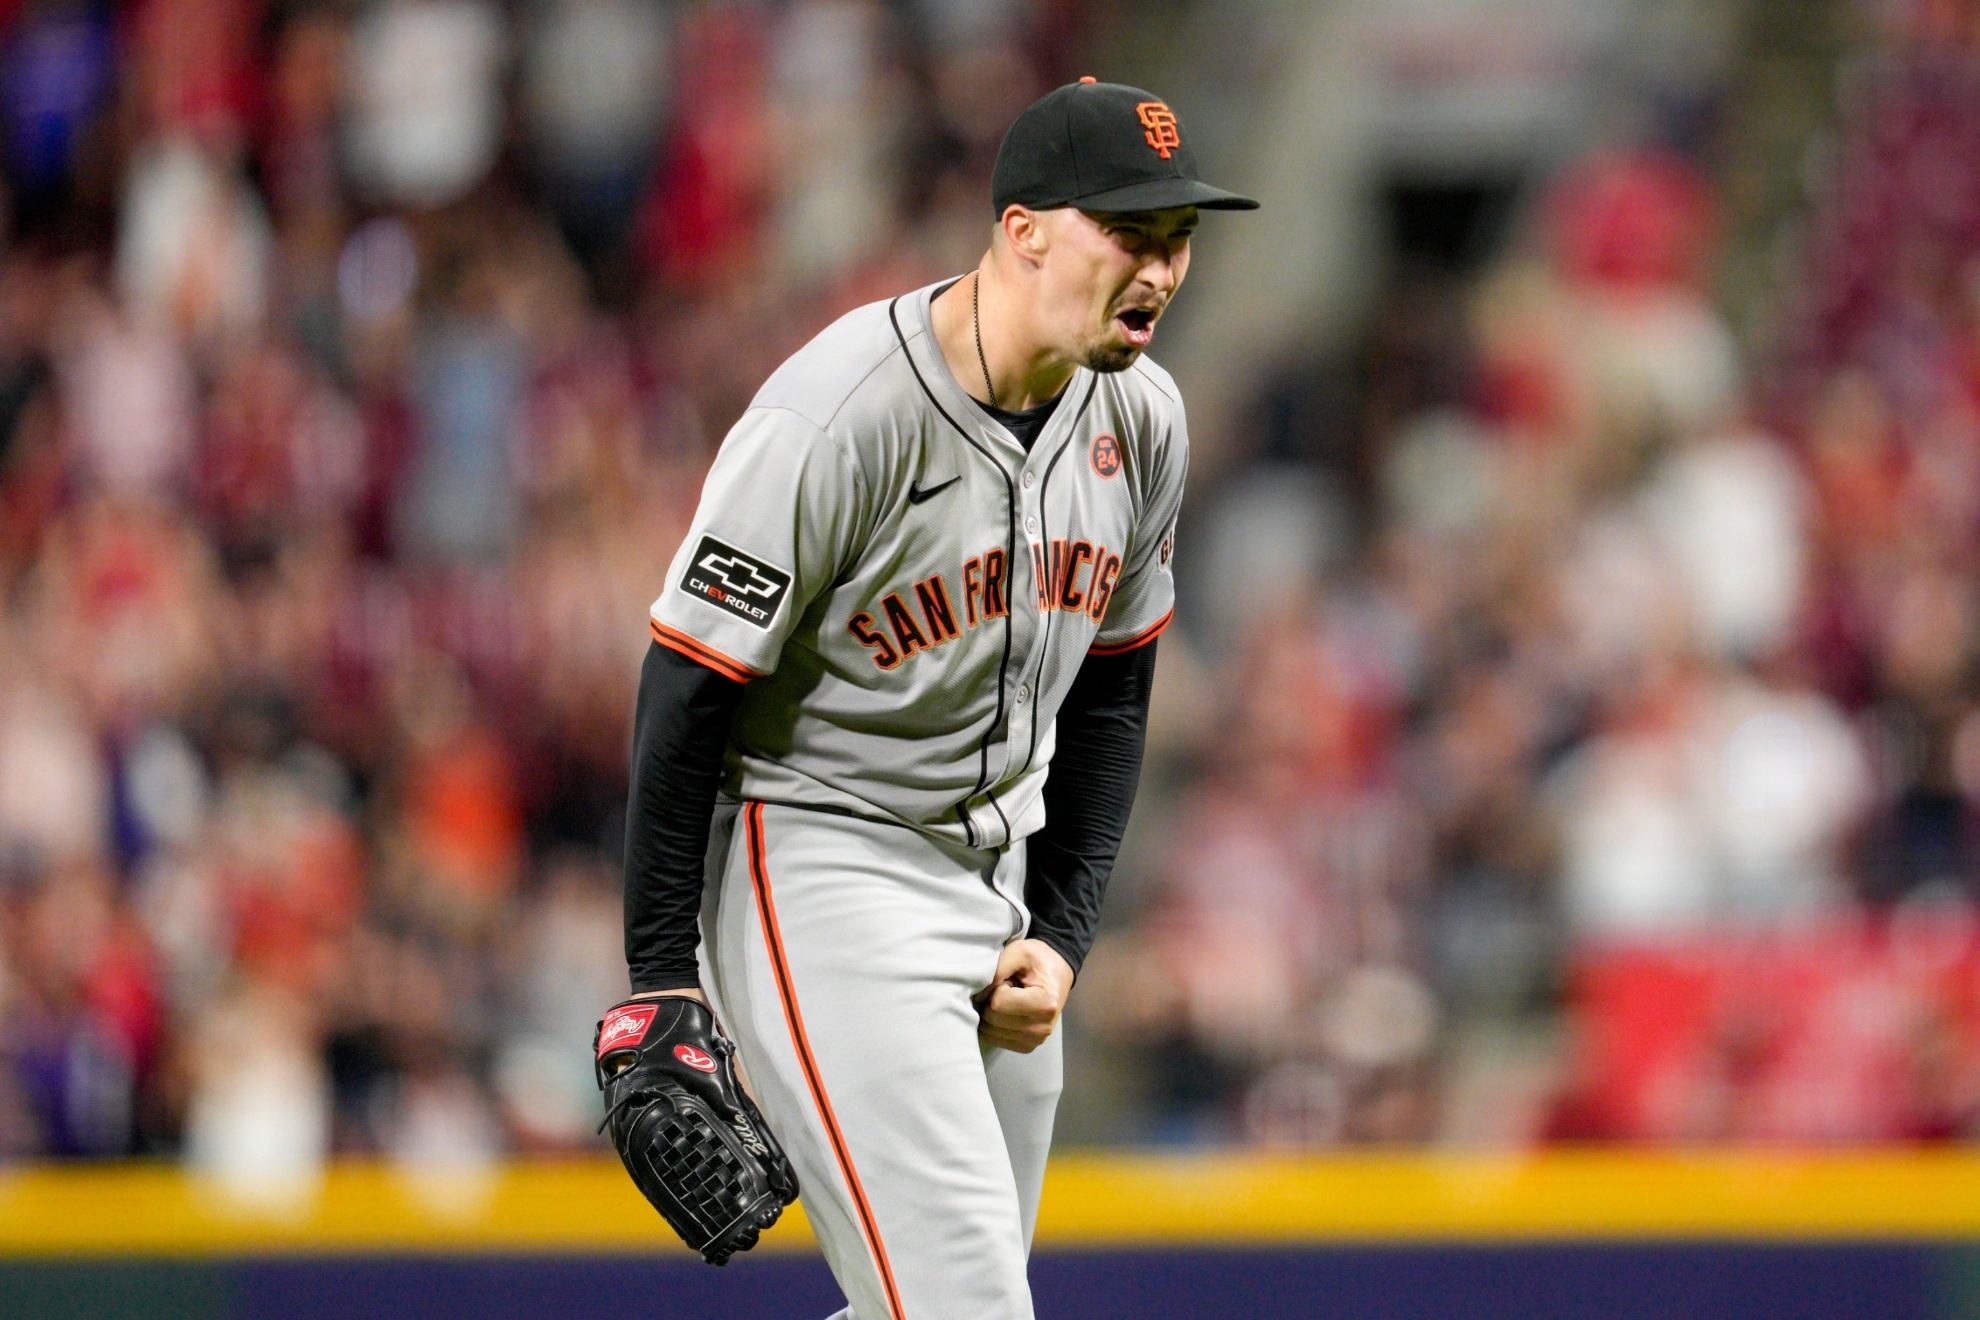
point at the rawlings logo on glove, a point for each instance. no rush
(686, 1131)
(694, 1058)
(624, 1025)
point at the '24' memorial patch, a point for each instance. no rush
(740, 583)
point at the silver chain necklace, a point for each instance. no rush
(976, 328)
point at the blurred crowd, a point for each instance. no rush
(1547, 679)
(1577, 733)
(359, 366)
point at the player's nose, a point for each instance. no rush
(1160, 272)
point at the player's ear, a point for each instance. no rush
(1024, 231)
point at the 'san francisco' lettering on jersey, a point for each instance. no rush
(1076, 575)
(923, 615)
(908, 591)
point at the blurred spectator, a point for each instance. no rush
(52, 781)
(193, 244)
(595, 90)
(459, 498)
(425, 99)
(56, 70)
(256, 1120)
(127, 394)
(840, 125)
(571, 952)
(1731, 512)
(699, 222)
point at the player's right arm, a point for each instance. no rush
(780, 515)
(680, 736)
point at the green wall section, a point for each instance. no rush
(117, 1290)
(1959, 1278)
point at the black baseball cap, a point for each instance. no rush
(1101, 147)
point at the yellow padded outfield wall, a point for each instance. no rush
(1090, 1201)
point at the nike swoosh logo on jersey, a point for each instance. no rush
(918, 496)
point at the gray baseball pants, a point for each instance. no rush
(842, 955)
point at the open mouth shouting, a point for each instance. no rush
(1137, 325)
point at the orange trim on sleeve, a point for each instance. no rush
(759, 874)
(700, 652)
(1140, 639)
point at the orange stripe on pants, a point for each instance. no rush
(759, 875)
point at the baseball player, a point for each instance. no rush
(889, 732)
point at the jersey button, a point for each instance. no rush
(1031, 526)
(1030, 480)
(1024, 693)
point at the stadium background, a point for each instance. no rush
(1554, 886)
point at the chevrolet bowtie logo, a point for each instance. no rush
(737, 575)
(750, 588)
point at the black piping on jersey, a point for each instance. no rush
(1045, 535)
(1010, 557)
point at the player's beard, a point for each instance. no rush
(1106, 358)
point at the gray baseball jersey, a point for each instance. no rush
(908, 591)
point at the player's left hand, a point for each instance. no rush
(1020, 1010)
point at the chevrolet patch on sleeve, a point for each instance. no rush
(740, 583)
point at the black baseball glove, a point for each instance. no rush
(689, 1136)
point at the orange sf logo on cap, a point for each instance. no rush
(1160, 121)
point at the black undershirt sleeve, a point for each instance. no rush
(680, 733)
(1102, 728)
